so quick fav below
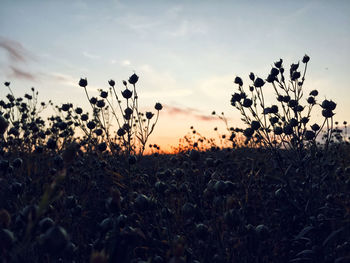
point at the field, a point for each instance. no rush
(276, 192)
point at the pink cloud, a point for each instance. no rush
(172, 110)
(20, 74)
(15, 50)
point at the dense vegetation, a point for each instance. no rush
(73, 190)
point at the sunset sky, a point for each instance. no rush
(186, 53)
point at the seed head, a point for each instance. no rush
(327, 113)
(100, 103)
(83, 82)
(295, 75)
(104, 94)
(238, 81)
(91, 125)
(259, 83)
(255, 125)
(78, 110)
(314, 93)
(278, 130)
(127, 94)
(111, 82)
(278, 64)
(306, 58)
(133, 79)
(93, 100)
(158, 106)
(315, 127)
(274, 72)
(247, 103)
(294, 67)
(248, 132)
(121, 132)
(309, 135)
(149, 115)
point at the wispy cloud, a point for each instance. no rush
(15, 50)
(187, 28)
(17, 55)
(187, 111)
(126, 62)
(91, 56)
(21, 74)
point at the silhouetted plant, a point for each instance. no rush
(133, 126)
(284, 124)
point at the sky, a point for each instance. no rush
(186, 53)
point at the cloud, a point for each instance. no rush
(187, 28)
(90, 56)
(125, 62)
(15, 51)
(187, 111)
(21, 74)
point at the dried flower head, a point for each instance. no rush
(133, 79)
(83, 82)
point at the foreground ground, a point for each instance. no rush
(216, 206)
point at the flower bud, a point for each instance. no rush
(278, 130)
(100, 103)
(247, 103)
(270, 78)
(274, 109)
(295, 75)
(158, 106)
(238, 81)
(288, 130)
(84, 117)
(133, 79)
(104, 94)
(248, 132)
(111, 82)
(309, 135)
(315, 127)
(91, 125)
(102, 146)
(292, 103)
(259, 83)
(251, 76)
(306, 59)
(149, 115)
(83, 82)
(93, 100)
(304, 120)
(311, 100)
(127, 93)
(121, 132)
(314, 93)
(78, 110)
(235, 97)
(7, 84)
(255, 125)
(274, 72)
(294, 67)
(327, 113)
(278, 64)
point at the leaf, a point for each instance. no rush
(342, 259)
(301, 260)
(332, 236)
(307, 253)
(303, 232)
